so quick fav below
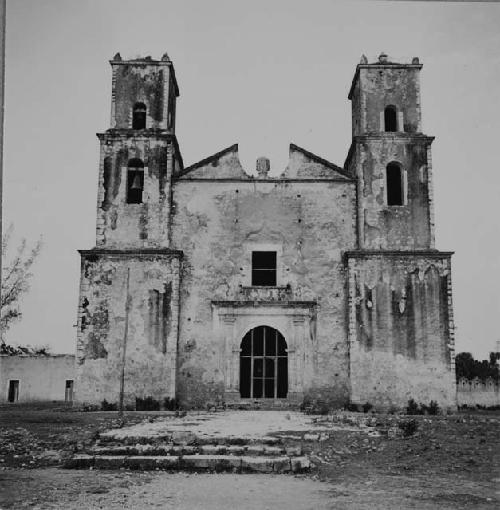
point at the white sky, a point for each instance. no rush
(261, 74)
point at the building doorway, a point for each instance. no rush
(68, 391)
(13, 395)
(263, 364)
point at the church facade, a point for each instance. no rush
(207, 283)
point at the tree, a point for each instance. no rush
(468, 367)
(16, 277)
(15, 350)
(494, 359)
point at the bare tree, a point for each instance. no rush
(16, 277)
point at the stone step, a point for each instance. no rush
(215, 463)
(186, 439)
(264, 405)
(219, 449)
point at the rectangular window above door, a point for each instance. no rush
(264, 268)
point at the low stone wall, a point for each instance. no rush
(477, 392)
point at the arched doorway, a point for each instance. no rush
(263, 364)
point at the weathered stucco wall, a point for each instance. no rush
(401, 329)
(378, 328)
(382, 86)
(124, 225)
(143, 81)
(41, 378)
(218, 223)
(405, 227)
(152, 323)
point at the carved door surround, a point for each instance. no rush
(232, 320)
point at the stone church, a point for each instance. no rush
(209, 283)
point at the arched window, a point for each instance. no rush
(394, 180)
(390, 118)
(135, 181)
(139, 116)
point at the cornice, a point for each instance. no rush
(436, 254)
(132, 252)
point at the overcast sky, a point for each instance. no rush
(261, 74)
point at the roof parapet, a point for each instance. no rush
(148, 60)
(383, 61)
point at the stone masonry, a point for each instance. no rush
(208, 283)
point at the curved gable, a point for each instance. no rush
(306, 165)
(222, 165)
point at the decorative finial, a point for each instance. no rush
(165, 57)
(363, 60)
(263, 166)
(383, 58)
(117, 57)
(415, 60)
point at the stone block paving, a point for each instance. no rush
(226, 424)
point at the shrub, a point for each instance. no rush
(352, 407)
(409, 427)
(413, 407)
(108, 406)
(433, 408)
(170, 404)
(366, 407)
(315, 406)
(88, 408)
(321, 407)
(306, 404)
(146, 404)
(484, 408)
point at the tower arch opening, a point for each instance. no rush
(139, 116)
(394, 181)
(135, 181)
(390, 118)
(263, 364)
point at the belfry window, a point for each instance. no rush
(390, 118)
(264, 268)
(135, 181)
(394, 180)
(139, 116)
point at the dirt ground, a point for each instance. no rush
(54, 488)
(451, 462)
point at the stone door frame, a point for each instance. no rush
(232, 320)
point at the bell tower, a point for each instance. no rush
(128, 308)
(138, 155)
(401, 325)
(391, 157)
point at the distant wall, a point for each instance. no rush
(476, 392)
(41, 378)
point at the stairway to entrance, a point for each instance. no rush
(267, 456)
(264, 404)
(233, 441)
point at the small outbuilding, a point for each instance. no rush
(36, 378)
